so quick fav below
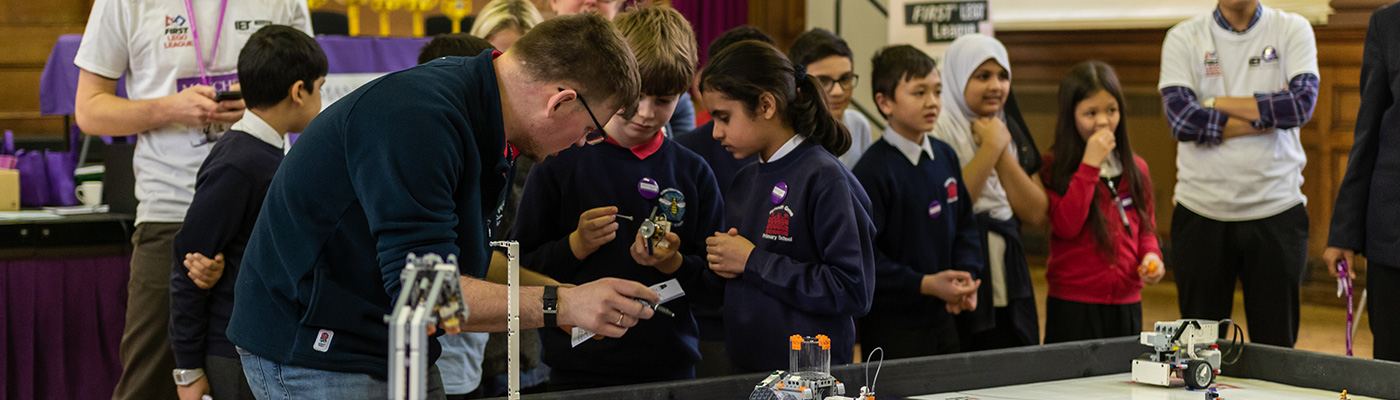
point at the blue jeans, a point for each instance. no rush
(272, 381)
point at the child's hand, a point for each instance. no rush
(949, 285)
(966, 303)
(664, 258)
(596, 228)
(1151, 270)
(991, 132)
(728, 253)
(204, 271)
(1098, 147)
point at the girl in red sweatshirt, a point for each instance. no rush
(1103, 246)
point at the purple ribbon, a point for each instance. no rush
(1344, 281)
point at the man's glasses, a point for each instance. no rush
(597, 133)
(847, 82)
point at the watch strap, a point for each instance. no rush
(550, 303)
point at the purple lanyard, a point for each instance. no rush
(194, 32)
(1344, 284)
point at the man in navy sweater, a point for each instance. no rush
(281, 71)
(927, 249)
(416, 162)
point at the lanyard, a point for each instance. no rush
(1118, 204)
(194, 33)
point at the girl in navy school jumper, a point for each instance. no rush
(928, 251)
(584, 190)
(798, 254)
(1103, 246)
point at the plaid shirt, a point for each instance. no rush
(1190, 122)
(1224, 23)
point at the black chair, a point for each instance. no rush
(436, 25)
(329, 23)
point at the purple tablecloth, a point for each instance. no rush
(62, 327)
(58, 85)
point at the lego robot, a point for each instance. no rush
(429, 292)
(1186, 348)
(809, 378)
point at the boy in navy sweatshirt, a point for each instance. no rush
(927, 251)
(572, 228)
(281, 71)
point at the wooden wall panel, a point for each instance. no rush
(785, 20)
(30, 29)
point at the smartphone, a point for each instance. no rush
(230, 95)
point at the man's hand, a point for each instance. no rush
(991, 132)
(193, 391)
(665, 259)
(191, 107)
(1335, 254)
(606, 306)
(204, 271)
(728, 253)
(950, 285)
(596, 228)
(228, 111)
(1151, 270)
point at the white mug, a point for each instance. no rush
(90, 193)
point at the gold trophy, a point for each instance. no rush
(352, 14)
(314, 4)
(456, 10)
(383, 7)
(418, 7)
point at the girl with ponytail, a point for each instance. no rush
(797, 257)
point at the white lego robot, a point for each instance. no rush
(1186, 348)
(429, 292)
(810, 377)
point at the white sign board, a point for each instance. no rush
(931, 25)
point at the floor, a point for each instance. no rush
(1322, 328)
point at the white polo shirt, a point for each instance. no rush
(1250, 177)
(150, 41)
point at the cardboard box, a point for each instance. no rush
(9, 190)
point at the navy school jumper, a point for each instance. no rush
(811, 271)
(412, 162)
(561, 188)
(925, 225)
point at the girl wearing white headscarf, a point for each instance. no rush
(977, 68)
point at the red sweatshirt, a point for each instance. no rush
(1077, 270)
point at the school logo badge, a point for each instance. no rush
(1212, 64)
(778, 219)
(952, 186)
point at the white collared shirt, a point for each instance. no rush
(258, 128)
(909, 149)
(785, 149)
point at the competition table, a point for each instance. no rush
(1079, 370)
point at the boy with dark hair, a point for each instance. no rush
(927, 246)
(828, 59)
(454, 45)
(281, 70)
(574, 201)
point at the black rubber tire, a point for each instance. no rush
(1198, 374)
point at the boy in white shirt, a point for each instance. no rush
(177, 57)
(1237, 83)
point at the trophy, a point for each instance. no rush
(383, 7)
(314, 4)
(456, 10)
(352, 14)
(418, 7)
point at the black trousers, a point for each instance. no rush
(1383, 304)
(897, 342)
(1267, 256)
(1068, 321)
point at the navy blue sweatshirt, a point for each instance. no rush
(925, 225)
(721, 161)
(605, 174)
(229, 190)
(412, 162)
(811, 270)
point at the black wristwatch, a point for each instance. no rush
(551, 306)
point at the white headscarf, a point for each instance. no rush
(954, 125)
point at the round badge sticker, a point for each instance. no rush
(672, 204)
(935, 209)
(779, 192)
(648, 188)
